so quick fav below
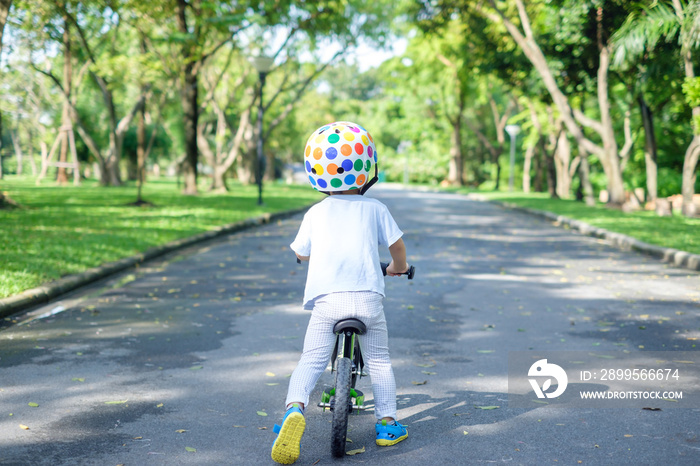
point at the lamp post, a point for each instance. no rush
(263, 64)
(513, 130)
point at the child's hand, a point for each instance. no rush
(394, 271)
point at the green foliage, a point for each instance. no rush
(691, 89)
(65, 230)
(674, 232)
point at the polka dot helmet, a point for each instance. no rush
(341, 156)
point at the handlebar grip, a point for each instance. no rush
(410, 272)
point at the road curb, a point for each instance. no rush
(672, 256)
(51, 290)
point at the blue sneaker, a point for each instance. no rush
(390, 433)
(286, 448)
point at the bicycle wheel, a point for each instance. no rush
(341, 407)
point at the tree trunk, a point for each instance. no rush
(270, 166)
(562, 159)
(140, 153)
(690, 161)
(689, 173)
(61, 176)
(584, 171)
(14, 136)
(611, 160)
(549, 169)
(650, 149)
(539, 167)
(247, 165)
(455, 174)
(190, 107)
(4, 11)
(190, 110)
(529, 152)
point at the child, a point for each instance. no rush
(339, 237)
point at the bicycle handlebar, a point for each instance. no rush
(410, 272)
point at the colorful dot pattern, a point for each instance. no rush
(339, 157)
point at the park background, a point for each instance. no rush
(159, 106)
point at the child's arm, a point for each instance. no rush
(398, 255)
(302, 258)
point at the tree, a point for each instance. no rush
(642, 31)
(4, 12)
(575, 120)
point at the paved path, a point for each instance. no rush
(187, 352)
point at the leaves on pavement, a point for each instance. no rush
(355, 452)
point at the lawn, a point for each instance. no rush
(675, 232)
(66, 230)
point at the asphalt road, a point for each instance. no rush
(186, 360)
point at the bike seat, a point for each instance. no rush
(354, 325)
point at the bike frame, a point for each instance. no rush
(347, 345)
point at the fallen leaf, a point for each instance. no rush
(238, 426)
(652, 409)
(262, 413)
(428, 373)
(77, 379)
(262, 428)
(355, 452)
(33, 405)
(487, 407)
(425, 365)
(271, 384)
(115, 402)
(196, 368)
(23, 427)
(465, 432)
(181, 431)
(270, 374)
(159, 405)
(420, 383)
(484, 351)
(629, 435)
(190, 449)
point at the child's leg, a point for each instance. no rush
(375, 349)
(318, 345)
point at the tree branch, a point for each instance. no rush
(629, 142)
(89, 141)
(290, 106)
(587, 121)
(128, 118)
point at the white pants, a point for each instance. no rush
(318, 345)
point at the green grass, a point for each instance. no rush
(675, 232)
(66, 230)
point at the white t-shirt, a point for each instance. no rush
(341, 234)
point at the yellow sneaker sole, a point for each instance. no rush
(387, 443)
(286, 448)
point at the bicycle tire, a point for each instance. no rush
(341, 407)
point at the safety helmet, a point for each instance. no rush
(341, 156)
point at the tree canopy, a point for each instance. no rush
(604, 91)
